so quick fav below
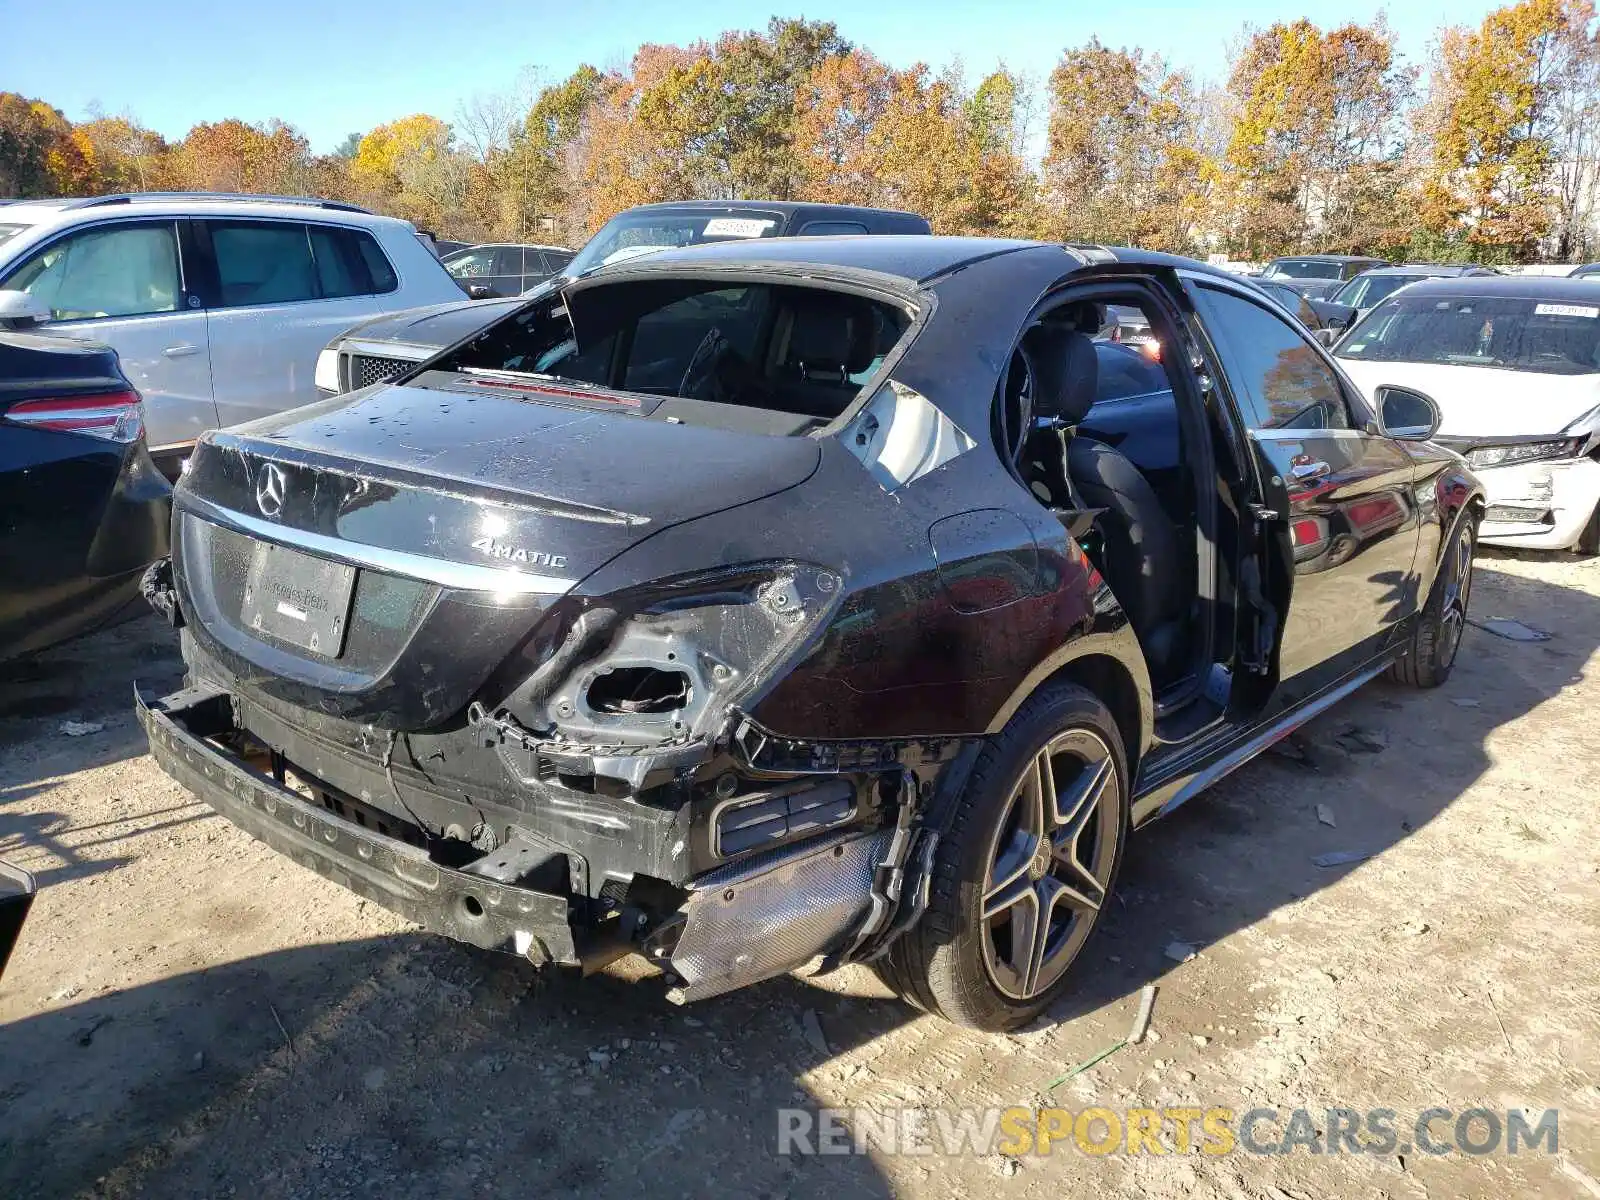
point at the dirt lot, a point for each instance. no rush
(191, 1015)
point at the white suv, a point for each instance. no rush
(218, 305)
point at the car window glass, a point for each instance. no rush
(1128, 370)
(472, 264)
(1352, 292)
(1384, 286)
(121, 271)
(380, 274)
(508, 260)
(1299, 268)
(1285, 382)
(664, 341)
(1558, 337)
(340, 271)
(825, 228)
(263, 263)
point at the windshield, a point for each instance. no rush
(633, 233)
(1366, 290)
(10, 231)
(1517, 334)
(1300, 268)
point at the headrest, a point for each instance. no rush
(832, 334)
(1086, 316)
(1066, 371)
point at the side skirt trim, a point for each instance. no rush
(1170, 793)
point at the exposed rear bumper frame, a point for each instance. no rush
(402, 878)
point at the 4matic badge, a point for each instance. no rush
(506, 552)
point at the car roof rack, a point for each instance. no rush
(246, 197)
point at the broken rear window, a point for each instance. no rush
(800, 351)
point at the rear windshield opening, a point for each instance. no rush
(800, 351)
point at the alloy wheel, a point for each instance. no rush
(1457, 591)
(1050, 863)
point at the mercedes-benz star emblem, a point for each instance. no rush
(271, 487)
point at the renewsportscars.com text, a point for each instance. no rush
(1210, 1131)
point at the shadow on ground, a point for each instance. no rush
(406, 1066)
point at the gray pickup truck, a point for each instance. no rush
(381, 348)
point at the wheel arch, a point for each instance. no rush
(1109, 665)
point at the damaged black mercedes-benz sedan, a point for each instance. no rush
(830, 597)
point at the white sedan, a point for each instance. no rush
(1514, 365)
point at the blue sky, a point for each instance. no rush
(335, 66)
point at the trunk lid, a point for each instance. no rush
(465, 511)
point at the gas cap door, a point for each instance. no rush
(986, 558)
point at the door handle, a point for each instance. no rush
(181, 350)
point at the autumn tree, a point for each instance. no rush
(233, 156)
(1315, 155)
(1496, 101)
(38, 156)
(126, 157)
(1123, 164)
(412, 167)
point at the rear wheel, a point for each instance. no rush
(1026, 869)
(1437, 636)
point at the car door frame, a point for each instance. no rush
(210, 282)
(1273, 505)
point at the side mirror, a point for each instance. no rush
(1327, 336)
(1406, 415)
(481, 291)
(19, 310)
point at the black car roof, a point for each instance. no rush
(1516, 287)
(914, 258)
(785, 207)
(1432, 270)
(1339, 258)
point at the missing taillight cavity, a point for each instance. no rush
(637, 690)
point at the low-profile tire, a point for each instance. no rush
(1436, 638)
(1021, 841)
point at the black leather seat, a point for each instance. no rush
(830, 338)
(1144, 553)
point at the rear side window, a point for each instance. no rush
(121, 270)
(1284, 381)
(271, 262)
(827, 228)
(380, 275)
(262, 263)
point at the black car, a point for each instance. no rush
(1319, 276)
(1315, 315)
(83, 511)
(380, 348)
(817, 596)
(501, 269)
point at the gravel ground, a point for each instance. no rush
(189, 1014)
